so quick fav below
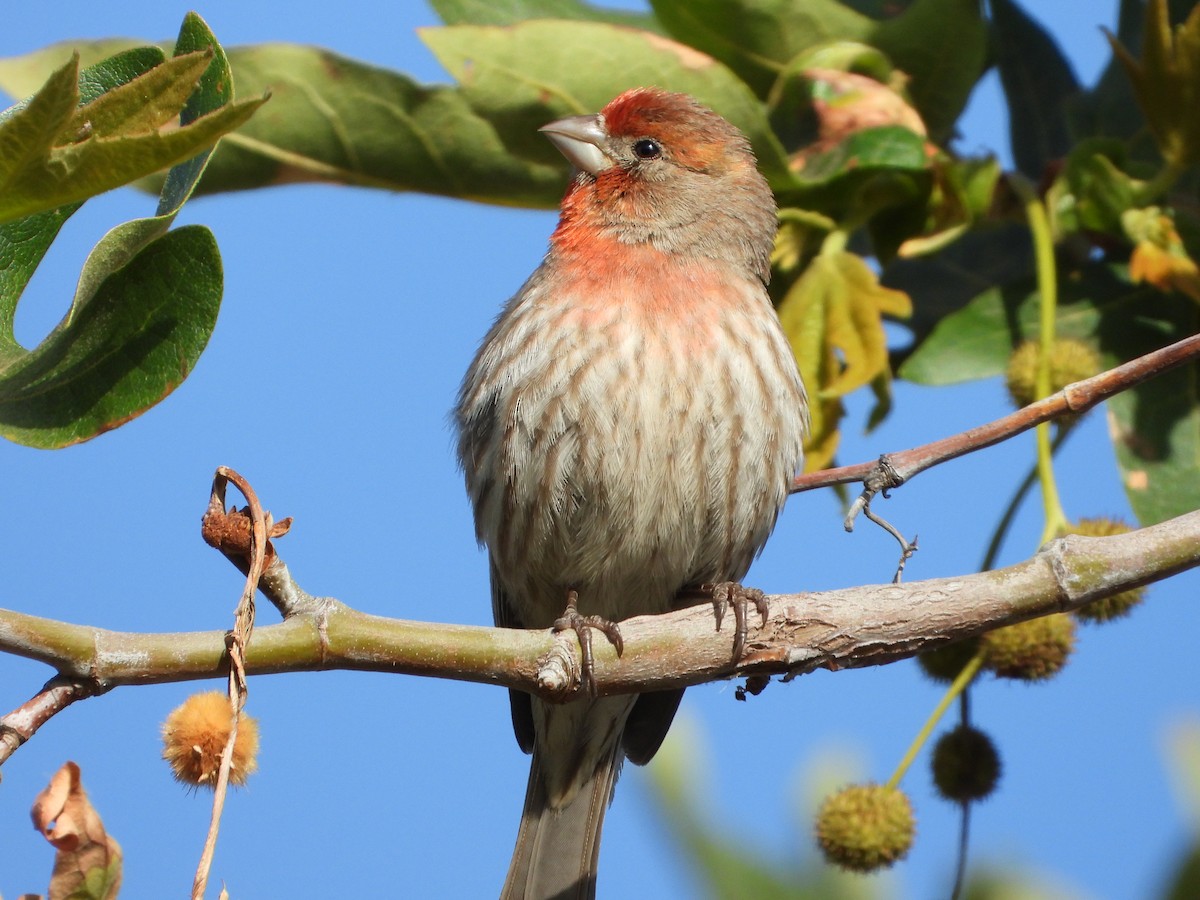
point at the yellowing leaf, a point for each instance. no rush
(1167, 81)
(1159, 257)
(832, 316)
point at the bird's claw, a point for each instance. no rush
(573, 620)
(730, 593)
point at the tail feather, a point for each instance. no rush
(558, 849)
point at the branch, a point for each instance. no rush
(1075, 398)
(848, 628)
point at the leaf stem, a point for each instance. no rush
(965, 677)
(1047, 282)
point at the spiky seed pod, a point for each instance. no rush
(194, 736)
(865, 827)
(1030, 651)
(966, 765)
(1118, 605)
(1070, 361)
(944, 663)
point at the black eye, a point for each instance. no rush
(647, 148)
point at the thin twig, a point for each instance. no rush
(23, 722)
(1074, 398)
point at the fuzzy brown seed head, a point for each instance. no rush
(944, 663)
(1030, 651)
(966, 765)
(194, 736)
(865, 827)
(1118, 605)
(1070, 361)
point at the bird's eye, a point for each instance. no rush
(647, 148)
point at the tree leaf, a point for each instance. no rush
(976, 341)
(133, 343)
(52, 153)
(509, 12)
(145, 304)
(525, 75)
(945, 282)
(832, 316)
(87, 865)
(1166, 81)
(889, 147)
(1156, 425)
(942, 46)
(337, 120)
(21, 76)
(1039, 86)
(757, 38)
(1093, 192)
(333, 119)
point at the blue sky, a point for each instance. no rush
(348, 319)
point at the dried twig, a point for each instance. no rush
(235, 643)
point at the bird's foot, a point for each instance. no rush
(729, 593)
(573, 620)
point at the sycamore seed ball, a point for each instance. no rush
(865, 827)
(194, 737)
(1118, 605)
(1070, 361)
(1030, 651)
(966, 765)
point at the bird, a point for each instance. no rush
(628, 430)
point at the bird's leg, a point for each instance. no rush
(729, 593)
(573, 620)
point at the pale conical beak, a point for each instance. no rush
(579, 139)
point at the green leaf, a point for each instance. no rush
(525, 75)
(942, 46)
(757, 38)
(134, 342)
(336, 120)
(1039, 87)
(1166, 81)
(1093, 192)
(333, 119)
(146, 302)
(24, 242)
(945, 282)
(1156, 425)
(509, 12)
(21, 76)
(976, 341)
(888, 147)
(52, 153)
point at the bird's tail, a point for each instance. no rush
(558, 848)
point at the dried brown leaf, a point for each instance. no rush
(88, 862)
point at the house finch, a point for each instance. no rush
(629, 429)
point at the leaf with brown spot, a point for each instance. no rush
(88, 863)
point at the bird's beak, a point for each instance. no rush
(579, 139)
